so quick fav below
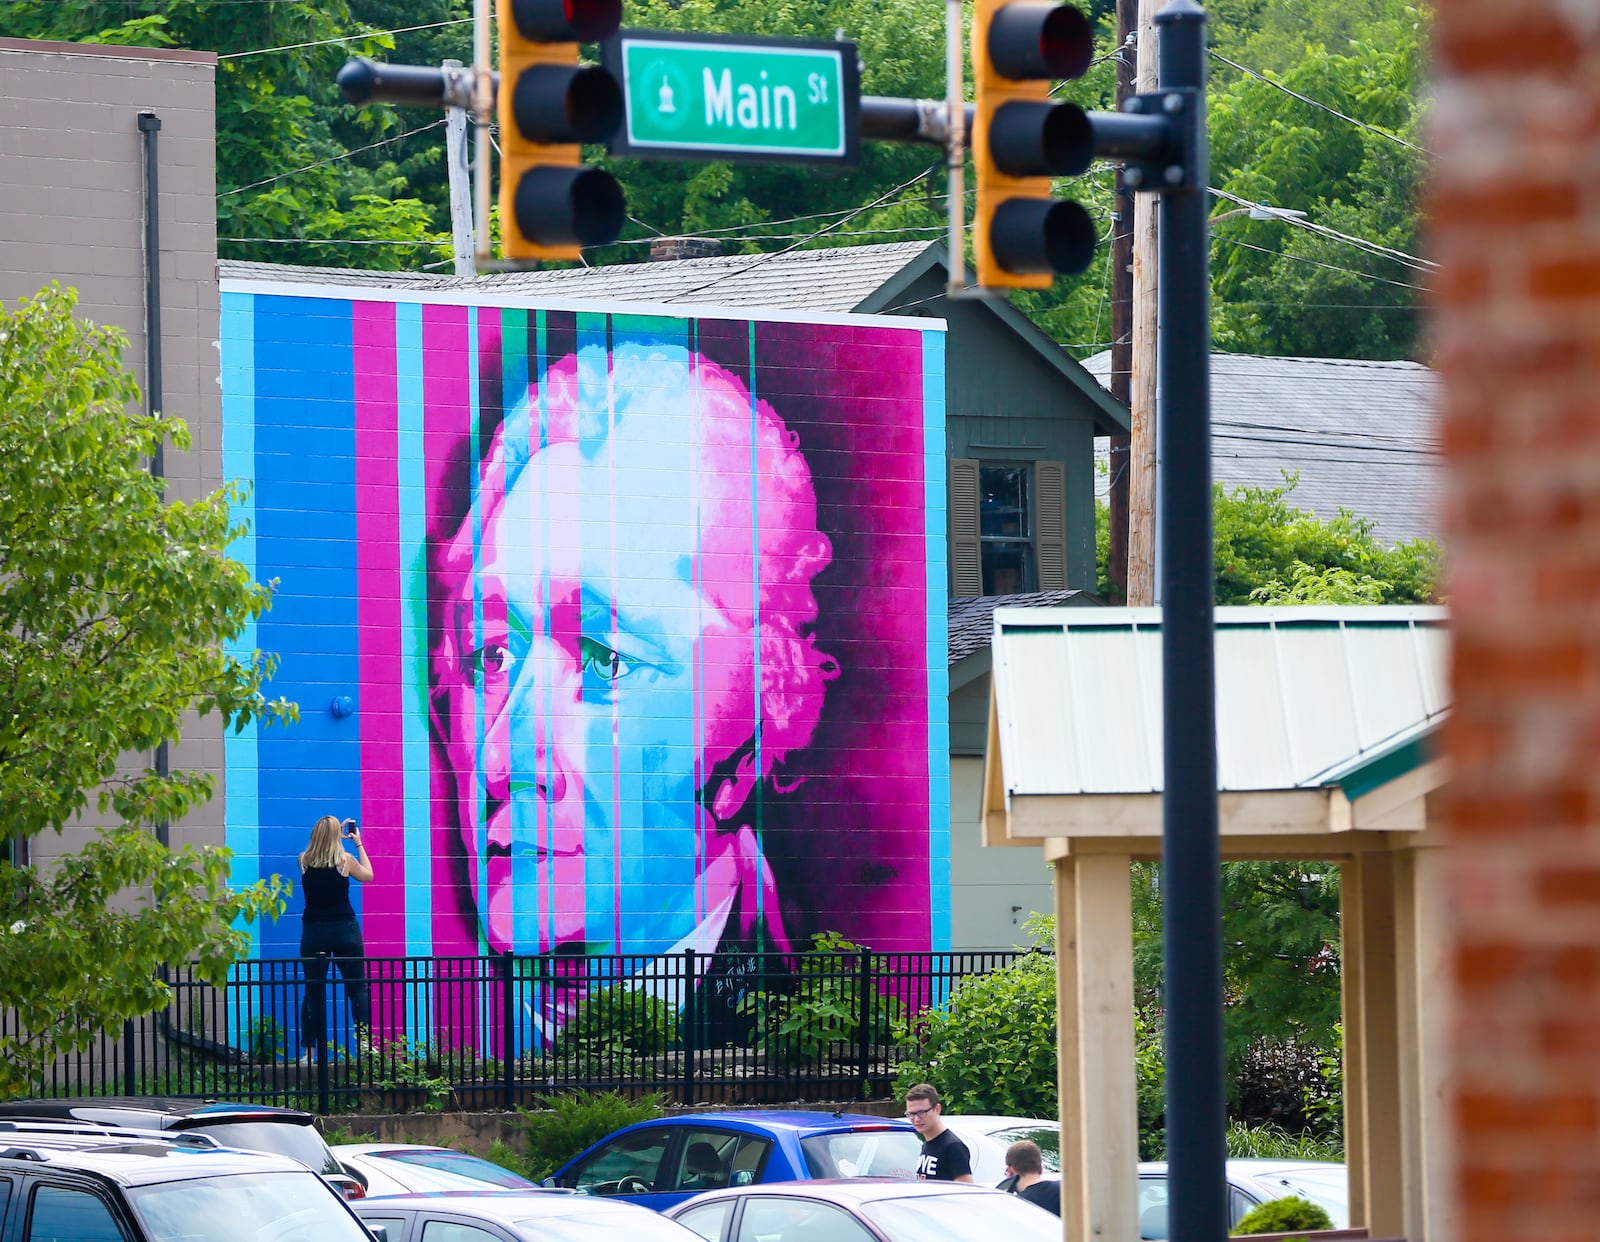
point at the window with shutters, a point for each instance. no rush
(1007, 527)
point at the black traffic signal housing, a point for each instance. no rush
(551, 203)
(1022, 237)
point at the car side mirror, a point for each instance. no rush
(549, 1183)
(743, 1177)
(380, 1232)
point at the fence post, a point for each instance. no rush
(864, 1040)
(323, 1092)
(686, 1032)
(129, 1069)
(508, 1029)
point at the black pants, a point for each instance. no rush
(339, 943)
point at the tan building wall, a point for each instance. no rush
(72, 210)
(1515, 218)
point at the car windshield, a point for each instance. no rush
(298, 1142)
(1049, 1142)
(862, 1153)
(962, 1217)
(616, 1220)
(457, 1162)
(245, 1207)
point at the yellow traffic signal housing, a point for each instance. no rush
(551, 203)
(1021, 236)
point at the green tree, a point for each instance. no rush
(114, 605)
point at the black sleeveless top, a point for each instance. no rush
(327, 895)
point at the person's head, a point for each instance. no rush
(325, 849)
(622, 656)
(1023, 1157)
(922, 1110)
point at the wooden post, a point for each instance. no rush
(1095, 1066)
(1121, 260)
(1142, 367)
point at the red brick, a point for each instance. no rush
(1570, 1037)
(1567, 886)
(1569, 278)
(1519, 42)
(1505, 204)
(1574, 1113)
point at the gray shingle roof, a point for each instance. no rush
(1361, 434)
(832, 281)
(971, 619)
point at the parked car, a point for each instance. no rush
(252, 1127)
(662, 1162)
(1250, 1184)
(987, 1138)
(102, 1184)
(866, 1210)
(510, 1216)
(404, 1168)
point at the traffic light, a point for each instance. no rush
(1021, 236)
(551, 203)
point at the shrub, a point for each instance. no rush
(569, 1121)
(822, 1010)
(992, 1047)
(1282, 1216)
(615, 1027)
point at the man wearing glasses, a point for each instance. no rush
(944, 1157)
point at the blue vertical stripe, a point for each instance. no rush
(933, 450)
(306, 538)
(241, 781)
(414, 644)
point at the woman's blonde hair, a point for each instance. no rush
(326, 849)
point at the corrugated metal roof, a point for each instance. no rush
(835, 280)
(1303, 694)
(1361, 434)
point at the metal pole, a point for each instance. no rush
(455, 153)
(483, 105)
(1191, 857)
(955, 90)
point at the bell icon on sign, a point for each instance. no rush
(666, 105)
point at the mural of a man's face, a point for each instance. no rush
(604, 692)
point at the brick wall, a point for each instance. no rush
(72, 210)
(1515, 205)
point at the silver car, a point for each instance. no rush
(404, 1168)
(1250, 1184)
(513, 1216)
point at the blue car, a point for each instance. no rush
(660, 1163)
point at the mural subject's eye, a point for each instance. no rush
(490, 662)
(602, 662)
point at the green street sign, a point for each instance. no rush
(722, 97)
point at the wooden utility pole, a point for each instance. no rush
(1121, 316)
(1142, 368)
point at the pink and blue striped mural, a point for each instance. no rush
(618, 632)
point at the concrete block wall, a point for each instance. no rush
(1515, 225)
(72, 210)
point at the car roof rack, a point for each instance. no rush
(45, 1129)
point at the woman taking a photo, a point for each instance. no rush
(329, 931)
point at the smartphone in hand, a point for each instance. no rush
(349, 827)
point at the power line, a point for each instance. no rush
(332, 159)
(350, 38)
(1332, 267)
(1382, 133)
(1371, 247)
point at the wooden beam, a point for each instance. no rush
(1381, 1082)
(1071, 1079)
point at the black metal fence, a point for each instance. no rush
(498, 1031)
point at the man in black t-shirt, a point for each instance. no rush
(1025, 1172)
(944, 1157)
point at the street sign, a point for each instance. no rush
(700, 96)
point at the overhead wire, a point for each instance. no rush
(349, 38)
(1362, 243)
(1332, 267)
(332, 159)
(1382, 133)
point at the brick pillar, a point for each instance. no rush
(1515, 209)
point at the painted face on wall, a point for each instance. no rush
(606, 696)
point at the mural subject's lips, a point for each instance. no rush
(496, 850)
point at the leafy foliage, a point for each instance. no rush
(616, 1027)
(114, 605)
(568, 1122)
(1273, 1143)
(1282, 1216)
(823, 1009)
(992, 1047)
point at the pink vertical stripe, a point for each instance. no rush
(379, 593)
